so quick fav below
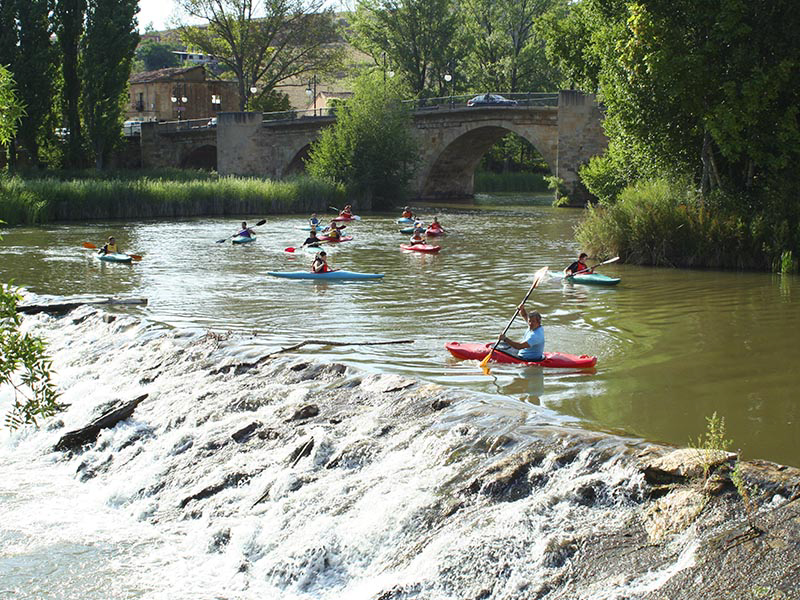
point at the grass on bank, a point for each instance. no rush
(667, 224)
(141, 195)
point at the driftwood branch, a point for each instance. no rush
(64, 307)
(73, 440)
(329, 343)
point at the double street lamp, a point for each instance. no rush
(309, 93)
(179, 102)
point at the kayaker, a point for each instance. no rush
(417, 236)
(314, 220)
(312, 241)
(407, 214)
(435, 225)
(110, 247)
(320, 264)
(245, 231)
(532, 345)
(347, 211)
(578, 265)
(335, 230)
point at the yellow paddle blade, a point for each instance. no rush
(485, 364)
(89, 245)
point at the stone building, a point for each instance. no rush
(179, 93)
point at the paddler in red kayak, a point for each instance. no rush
(347, 211)
(531, 348)
(417, 235)
(578, 265)
(436, 226)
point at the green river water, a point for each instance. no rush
(673, 345)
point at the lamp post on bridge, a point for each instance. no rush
(309, 92)
(179, 101)
(448, 78)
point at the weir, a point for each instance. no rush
(291, 477)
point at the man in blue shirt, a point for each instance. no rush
(531, 348)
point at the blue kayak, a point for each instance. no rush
(241, 239)
(330, 275)
(407, 230)
(405, 220)
(589, 279)
(115, 257)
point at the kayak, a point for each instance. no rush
(325, 238)
(555, 360)
(308, 227)
(241, 239)
(340, 275)
(343, 218)
(115, 257)
(407, 230)
(420, 247)
(590, 279)
(404, 220)
(434, 232)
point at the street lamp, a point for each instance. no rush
(448, 78)
(179, 101)
(309, 92)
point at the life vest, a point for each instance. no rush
(406, 214)
(111, 248)
(333, 234)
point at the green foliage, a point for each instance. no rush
(420, 39)
(285, 39)
(24, 366)
(370, 148)
(69, 18)
(150, 195)
(155, 55)
(509, 182)
(271, 101)
(712, 441)
(787, 263)
(11, 109)
(559, 189)
(658, 222)
(107, 53)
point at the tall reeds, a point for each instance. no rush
(41, 200)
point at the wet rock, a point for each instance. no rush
(767, 479)
(249, 403)
(109, 318)
(57, 424)
(73, 440)
(508, 480)
(230, 480)
(219, 540)
(301, 451)
(440, 403)
(681, 465)
(384, 384)
(182, 445)
(558, 551)
(299, 367)
(306, 412)
(673, 513)
(245, 433)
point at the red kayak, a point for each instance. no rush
(556, 360)
(344, 218)
(420, 247)
(325, 238)
(433, 232)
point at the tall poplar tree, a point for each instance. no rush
(35, 70)
(69, 18)
(108, 47)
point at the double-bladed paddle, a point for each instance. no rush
(537, 278)
(91, 246)
(223, 240)
(606, 262)
(354, 217)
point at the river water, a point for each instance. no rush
(673, 345)
(385, 502)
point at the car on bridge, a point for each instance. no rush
(490, 100)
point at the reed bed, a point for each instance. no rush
(47, 199)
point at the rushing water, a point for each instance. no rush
(392, 500)
(673, 345)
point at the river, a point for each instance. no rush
(372, 511)
(673, 345)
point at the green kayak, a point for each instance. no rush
(116, 257)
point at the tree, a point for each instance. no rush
(155, 55)
(506, 51)
(69, 16)
(35, 69)
(107, 52)
(370, 148)
(264, 45)
(11, 108)
(419, 37)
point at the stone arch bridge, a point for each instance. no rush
(565, 128)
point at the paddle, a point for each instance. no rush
(292, 249)
(540, 274)
(223, 240)
(610, 260)
(354, 217)
(91, 246)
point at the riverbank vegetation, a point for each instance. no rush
(702, 118)
(157, 194)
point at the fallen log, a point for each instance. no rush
(61, 308)
(329, 343)
(73, 440)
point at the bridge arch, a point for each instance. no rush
(200, 157)
(297, 165)
(449, 163)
